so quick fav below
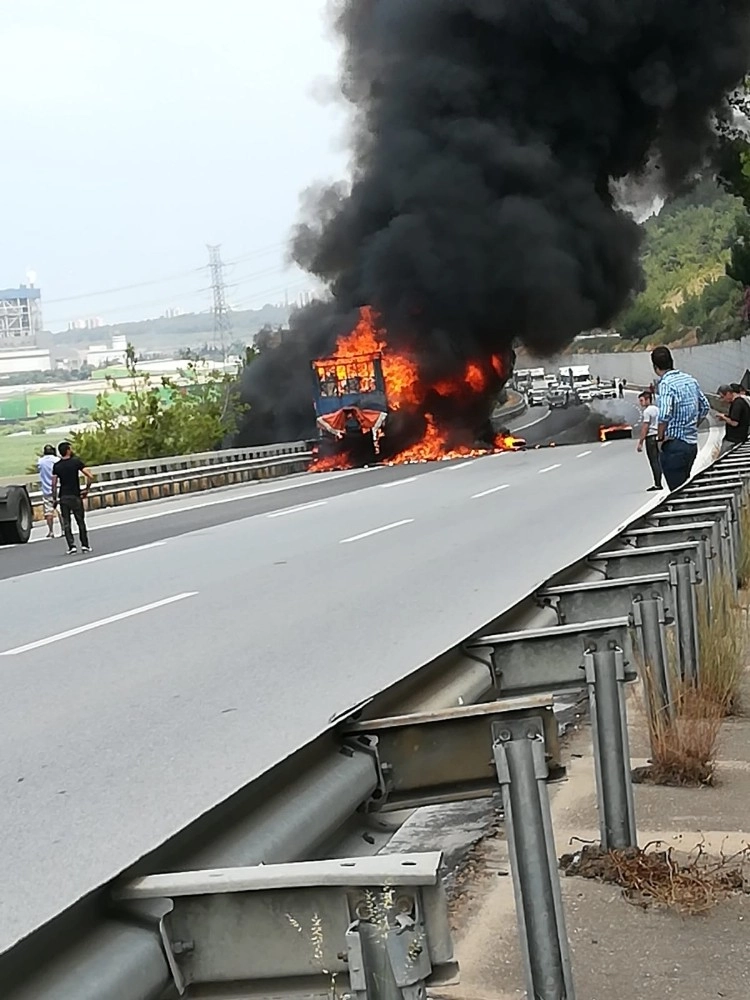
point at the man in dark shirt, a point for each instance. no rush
(66, 484)
(737, 418)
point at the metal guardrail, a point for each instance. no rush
(211, 917)
(155, 485)
(168, 463)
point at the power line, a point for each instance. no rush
(167, 278)
(222, 325)
(124, 288)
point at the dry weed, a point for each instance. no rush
(722, 636)
(683, 741)
(684, 735)
(743, 556)
(653, 877)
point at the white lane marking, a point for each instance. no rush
(584, 454)
(376, 531)
(308, 481)
(486, 493)
(397, 482)
(293, 510)
(549, 468)
(538, 420)
(462, 465)
(605, 444)
(87, 560)
(97, 624)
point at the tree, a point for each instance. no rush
(198, 413)
(738, 267)
(716, 313)
(639, 321)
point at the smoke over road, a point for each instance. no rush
(486, 136)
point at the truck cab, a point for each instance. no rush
(350, 402)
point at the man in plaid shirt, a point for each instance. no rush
(682, 406)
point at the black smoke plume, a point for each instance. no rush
(486, 136)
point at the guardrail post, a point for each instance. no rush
(605, 677)
(683, 579)
(649, 619)
(518, 749)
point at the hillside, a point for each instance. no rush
(687, 244)
(688, 298)
(168, 334)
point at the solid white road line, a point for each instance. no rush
(376, 531)
(538, 420)
(294, 510)
(486, 493)
(605, 444)
(549, 468)
(397, 482)
(98, 624)
(583, 454)
(87, 560)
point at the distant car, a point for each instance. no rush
(557, 399)
(605, 390)
(535, 396)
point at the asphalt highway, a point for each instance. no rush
(206, 638)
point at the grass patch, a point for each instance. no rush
(18, 453)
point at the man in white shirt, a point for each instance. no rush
(649, 437)
(44, 466)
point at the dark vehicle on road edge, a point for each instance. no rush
(16, 515)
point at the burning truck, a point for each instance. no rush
(351, 406)
(375, 403)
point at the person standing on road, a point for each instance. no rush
(66, 474)
(649, 437)
(737, 418)
(44, 466)
(682, 406)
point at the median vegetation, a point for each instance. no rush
(159, 417)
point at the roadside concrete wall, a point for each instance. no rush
(711, 364)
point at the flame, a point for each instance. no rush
(405, 389)
(508, 442)
(615, 430)
(330, 463)
(400, 372)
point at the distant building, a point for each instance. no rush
(99, 355)
(20, 317)
(27, 359)
(90, 323)
(20, 325)
(173, 312)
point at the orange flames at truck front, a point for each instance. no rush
(406, 390)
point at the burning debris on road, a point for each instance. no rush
(487, 139)
(618, 432)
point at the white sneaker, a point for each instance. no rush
(72, 551)
(85, 548)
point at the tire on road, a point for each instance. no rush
(16, 516)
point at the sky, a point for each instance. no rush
(137, 131)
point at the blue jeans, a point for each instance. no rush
(677, 459)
